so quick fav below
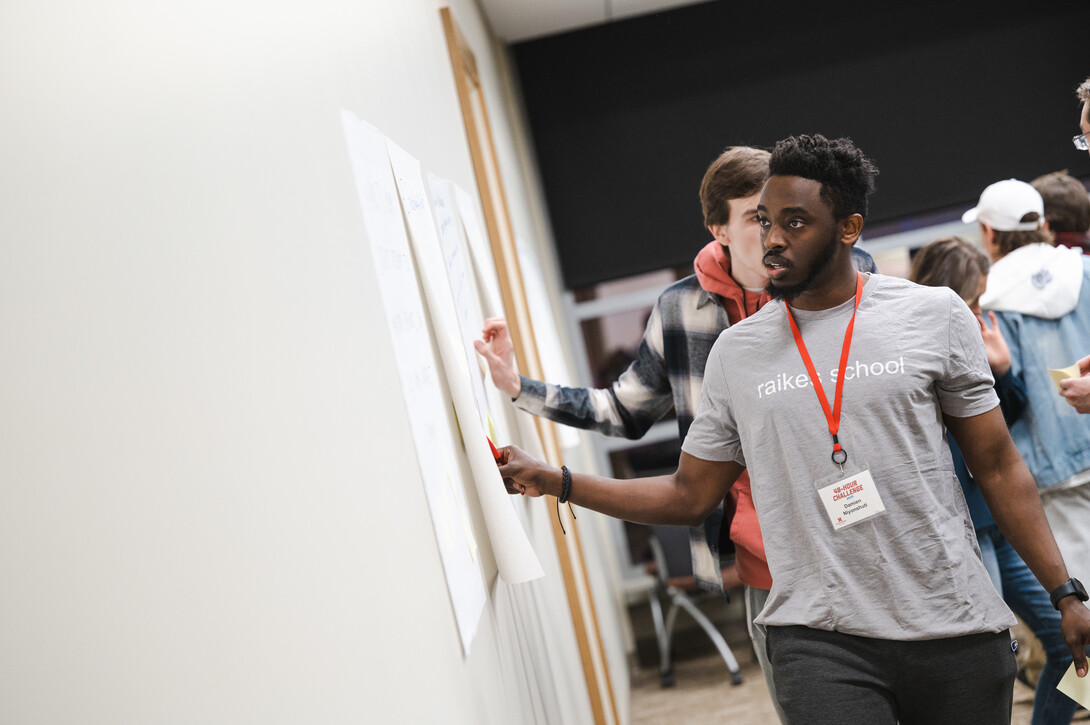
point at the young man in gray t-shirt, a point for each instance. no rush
(915, 355)
(880, 610)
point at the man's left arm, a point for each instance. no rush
(1012, 497)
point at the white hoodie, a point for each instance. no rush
(1038, 279)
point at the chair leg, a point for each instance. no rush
(666, 668)
(680, 599)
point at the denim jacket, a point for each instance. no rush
(1027, 288)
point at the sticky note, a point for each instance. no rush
(1072, 371)
(1075, 687)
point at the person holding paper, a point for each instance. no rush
(881, 610)
(1076, 390)
(727, 287)
(1041, 296)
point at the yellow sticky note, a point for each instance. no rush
(1075, 687)
(1071, 371)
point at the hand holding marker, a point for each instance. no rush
(497, 455)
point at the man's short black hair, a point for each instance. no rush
(845, 174)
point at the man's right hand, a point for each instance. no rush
(496, 348)
(522, 473)
(1075, 629)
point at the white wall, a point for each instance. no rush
(209, 506)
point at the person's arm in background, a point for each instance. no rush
(1012, 498)
(628, 408)
(1076, 391)
(1010, 388)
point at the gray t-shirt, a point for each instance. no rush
(914, 571)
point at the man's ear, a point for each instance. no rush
(719, 231)
(850, 228)
(987, 240)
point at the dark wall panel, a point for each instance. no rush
(625, 117)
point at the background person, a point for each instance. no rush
(1041, 296)
(960, 265)
(1082, 141)
(1077, 390)
(1067, 209)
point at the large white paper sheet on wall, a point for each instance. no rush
(463, 287)
(477, 238)
(420, 384)
(484, 269)
(515, 556)
(546, 333)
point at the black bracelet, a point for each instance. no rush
(565, 494)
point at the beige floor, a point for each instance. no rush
(703, 693)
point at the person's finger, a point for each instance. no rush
(493, 326)
(484, 350)
(508, 469)
(1069, 390)
(513, 488)
(1079, 655)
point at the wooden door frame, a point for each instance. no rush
(501, 238)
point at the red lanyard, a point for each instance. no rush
(833, 416)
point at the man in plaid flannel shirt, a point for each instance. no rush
(727, 286)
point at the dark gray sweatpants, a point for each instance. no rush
(831, 678)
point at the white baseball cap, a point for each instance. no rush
(1004, 203)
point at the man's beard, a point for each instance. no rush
(817, 265)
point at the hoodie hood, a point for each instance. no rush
(1038, 279)
(712, 267)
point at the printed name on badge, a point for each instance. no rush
(851, 500)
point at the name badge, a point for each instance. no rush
(851, 500)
